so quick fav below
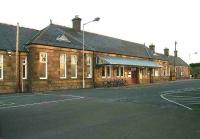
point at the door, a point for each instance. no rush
(134, 76)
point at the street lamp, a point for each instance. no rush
(194, 53)
(96, 19)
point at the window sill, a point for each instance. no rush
(63, 77)
(73, 77)
(43, 78)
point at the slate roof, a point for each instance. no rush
(93, 42)
(159, 56)
(170, 59)
(8, 37)
(178, 61)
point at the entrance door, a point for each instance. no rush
(134, 75)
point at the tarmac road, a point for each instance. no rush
(157, 111)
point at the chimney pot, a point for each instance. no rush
(166, 52)
(76, 21)
(152, 48)
(176, 53)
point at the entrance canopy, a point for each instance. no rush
(110, 60)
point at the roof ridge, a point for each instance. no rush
(37, 35)
(19, 26)
(92, 33)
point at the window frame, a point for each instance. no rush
(119, 71)
(109, 70)
(1, 63)
(121, 67)
(76, 68)
(103, 68)
(46, 62)
(65, 66)
(24, 63)
(89, 58)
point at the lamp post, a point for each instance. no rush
(96, 19)
(175, 58)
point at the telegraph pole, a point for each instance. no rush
(17, 59)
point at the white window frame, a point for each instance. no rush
(65, 66)
(45, 64)
(104, 67)
(110, 71)
(89, 63)
(1, 63)
(74, 56)
(24, 63)
(119, 71)
(156, 72)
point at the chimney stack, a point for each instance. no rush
(152, 48)
(176, 53)
(166, 52)
(76, 23)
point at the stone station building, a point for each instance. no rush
(52, 59)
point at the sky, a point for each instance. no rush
(158, 22)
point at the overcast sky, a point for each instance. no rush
(161, 22)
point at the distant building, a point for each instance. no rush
(51, 59)
(195, 70)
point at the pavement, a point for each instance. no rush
(158, 111)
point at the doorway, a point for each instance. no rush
(134, 75)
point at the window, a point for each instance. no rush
(89, 66)
(106, 72)
(43, 65)
(1, 66)
(103, 72)
(145, 72)
(120, 71)
(156, 72)
(73, 66)
(63, 66)
(63, 38)
(24, 68)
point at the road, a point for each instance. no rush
(159, 111)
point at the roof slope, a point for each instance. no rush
(170, 59)
(159, 56)
(8, 37)
(93, 42)
(178, 61)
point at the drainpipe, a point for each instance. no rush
(93, 70)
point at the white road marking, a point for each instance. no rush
(162, 96)
(38, 94)
(39, 103)
(6, 104)
(194, 103)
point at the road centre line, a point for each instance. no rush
(39, 103)
(162, 96)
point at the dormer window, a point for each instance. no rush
(63, 38)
